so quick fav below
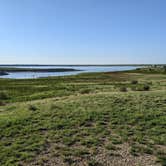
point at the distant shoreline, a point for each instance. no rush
(4, 71)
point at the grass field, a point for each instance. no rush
(93, 119)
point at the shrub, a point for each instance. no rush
(3, 96)
(32, 108)
(141, 88)
(123, 89)
(146, 87)
(134, 82)
(85, 91)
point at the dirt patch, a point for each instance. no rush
(103, 157)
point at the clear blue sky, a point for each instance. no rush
(82, 31)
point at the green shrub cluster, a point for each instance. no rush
(3, 96)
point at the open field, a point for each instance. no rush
(92, 119)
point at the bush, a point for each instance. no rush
(146, 87)
(32, 108)
(3, 96)
(123, 89)
(85, 91)
(134, 82)
(141, 88)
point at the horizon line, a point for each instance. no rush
(129, 64)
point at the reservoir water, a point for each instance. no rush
(83, 69)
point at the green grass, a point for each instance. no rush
(71, 118)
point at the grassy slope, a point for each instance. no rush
(84, 119)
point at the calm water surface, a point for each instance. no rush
(84, 69)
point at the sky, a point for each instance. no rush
(82, 31)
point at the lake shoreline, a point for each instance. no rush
(4, 71)
(22, 72)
